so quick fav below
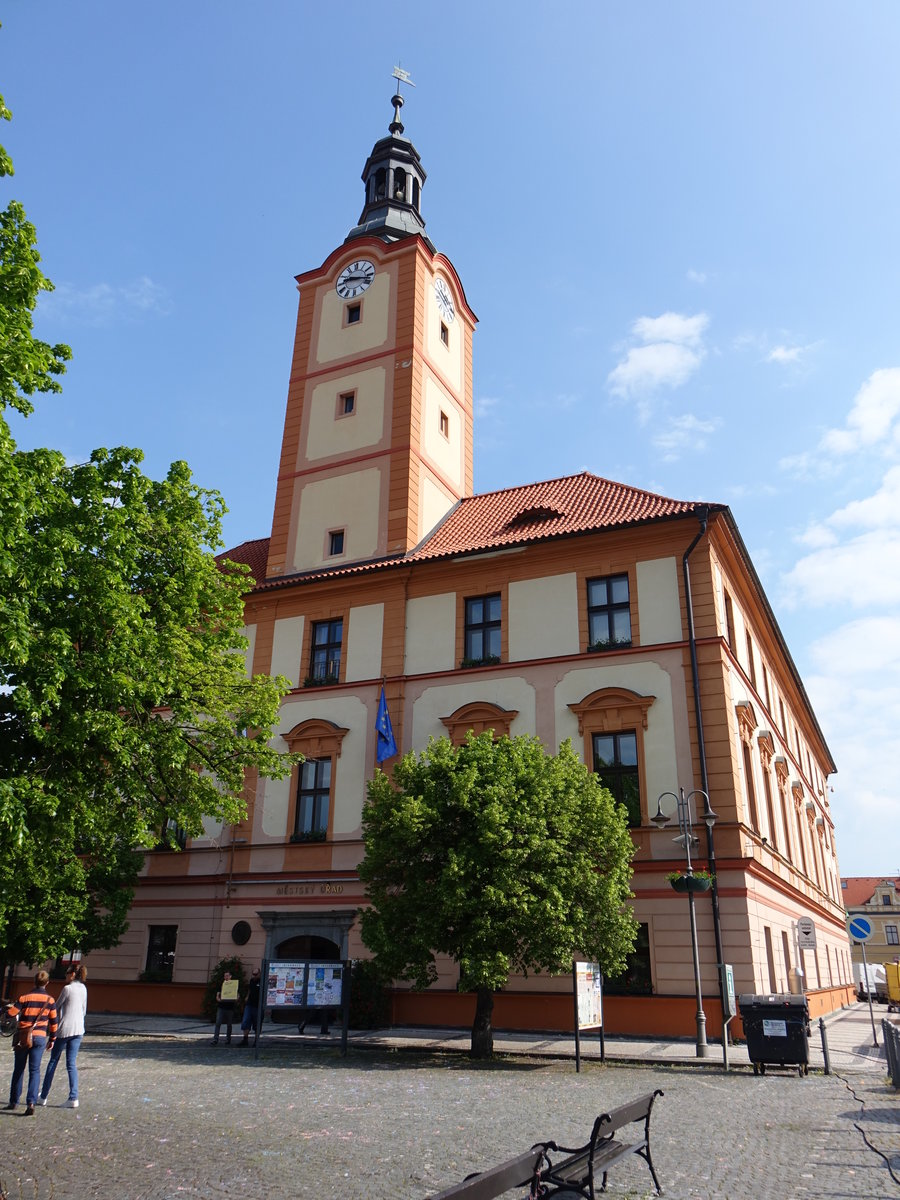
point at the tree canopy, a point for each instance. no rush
(504, 857)
(125, 707)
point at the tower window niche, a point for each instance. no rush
(445, 334)
(445, 424)
(346, 404)
(399, 184)
(335, 542)
(352, 314)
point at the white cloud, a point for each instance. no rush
(791, 356)
(861, 573)
(671, 327)
(855, 692)
(103, 303)
(686, 432)
(672, 351)
(485, 406)
(646, 368)
(873, 419)
(696, 276)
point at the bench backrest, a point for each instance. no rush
(638, 1110)
(515, 1172)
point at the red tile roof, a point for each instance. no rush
(255, 554)
(535, 512)
(859, 889)
(517, 516)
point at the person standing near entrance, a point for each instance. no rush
(226, 1003)
(250, 1019)
(71, 1009)
(37, 1029)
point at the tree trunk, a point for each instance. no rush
(482, 1032)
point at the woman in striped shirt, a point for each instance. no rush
(36, 1011)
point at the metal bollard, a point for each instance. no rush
(825, 1046)
(892, 1050)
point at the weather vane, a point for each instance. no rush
(401, 76)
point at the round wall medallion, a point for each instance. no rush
(240, 933)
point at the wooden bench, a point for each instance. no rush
(578, 1170)
(521, 1171)
(575, 1173)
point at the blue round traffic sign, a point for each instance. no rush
(860, 929)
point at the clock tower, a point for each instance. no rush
(377, 443)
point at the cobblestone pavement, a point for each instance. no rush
(167, 1118)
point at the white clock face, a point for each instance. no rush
(355, 278)
(444, 299)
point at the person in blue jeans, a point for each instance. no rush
(37, 1013)
(71, 1006)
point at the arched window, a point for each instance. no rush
(613, 721)
(312, 782)
(399, 184)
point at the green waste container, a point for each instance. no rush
(777, 1031)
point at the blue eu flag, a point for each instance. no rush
(387, 747)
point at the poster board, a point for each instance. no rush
(587, 991)
(305, 984)
(229, 989)
(589, 995)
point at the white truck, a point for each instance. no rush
(876, 983)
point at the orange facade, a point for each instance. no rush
(383, 567)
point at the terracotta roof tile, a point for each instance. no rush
(859, 889)
(533, 512)
(537, 511)
(255, 554)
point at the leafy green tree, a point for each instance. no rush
(499, 855)
(124, 703)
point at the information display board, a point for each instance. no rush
(589, 993)
(305, 984)
(587, 989)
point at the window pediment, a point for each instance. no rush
(612, 709)
(478, 716)
(747, 721)
(316, 738)
(766, 747)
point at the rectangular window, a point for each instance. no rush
(636, 979)
(729, 621)
(783, 720)
(352, 314)
(885, 899)
(751, 660)
(766, 693)
(616, 765)
(325, 659)
(445, 334)
(770, 807)
(609, 612)
(336, 542)
(751, 790)
(483, 629)
(445, 424)
(346, 404)
(890, 934)
(171, 836)
(770, 959)
(161, 952)
(313, 796)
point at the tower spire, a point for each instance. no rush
(393, 177)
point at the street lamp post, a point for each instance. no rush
(687, 839)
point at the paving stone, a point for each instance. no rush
(172, 1119)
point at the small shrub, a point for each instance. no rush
(370, 1001)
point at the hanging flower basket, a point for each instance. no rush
(698, 881)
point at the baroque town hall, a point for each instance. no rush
(579, 608)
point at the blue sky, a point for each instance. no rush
(676, 223)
